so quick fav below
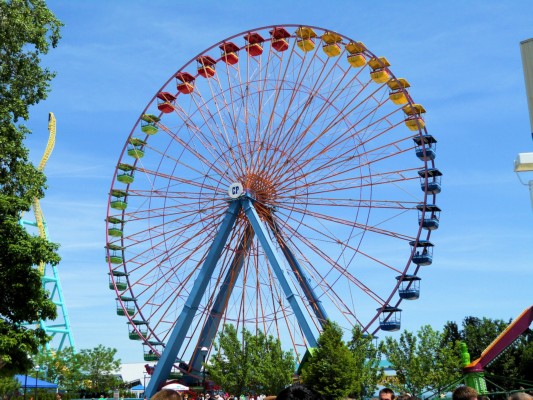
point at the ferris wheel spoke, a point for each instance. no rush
(334, 186)
(353, 203)
(321, 282)
(183, 285)
(337, 118)
(166, 255)
(345, 222)
(332, 239)
(348, 154)
(298, 84)
(346, 134)
(194, 152)
(215, 126)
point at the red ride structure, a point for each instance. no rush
(474, 371)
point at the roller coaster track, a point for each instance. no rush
(59, 330)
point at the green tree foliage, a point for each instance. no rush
(272, 366)
(515, 363)
(27, 30)
(422, 361)
(367, 369)
(244, 362)
(98, 368)
(8, 387)
(331, 367)
(64, 367)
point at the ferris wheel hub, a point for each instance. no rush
(235, 190)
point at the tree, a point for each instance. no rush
(367, 359)
(422, 361)
(98, 367)
(8, 387)
(250, 363)
(64, 367)
(27, 30)
(330, 369)
(273, 366)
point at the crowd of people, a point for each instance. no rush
(231, 397)
(302, 392)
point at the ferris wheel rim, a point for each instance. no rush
(410, 101)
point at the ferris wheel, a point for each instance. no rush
(282, 177)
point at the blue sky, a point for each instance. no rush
(461, 58)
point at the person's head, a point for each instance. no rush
(520, 396)
(464, 393)
(166, 394)
(298, 392)
(386, 394)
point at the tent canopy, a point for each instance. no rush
(138, 387)
(31, 383)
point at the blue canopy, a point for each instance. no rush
(32, 383)
(137, 387)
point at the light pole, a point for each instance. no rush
(25, 384)
(37, 369)
(144, 384)
(204, 350)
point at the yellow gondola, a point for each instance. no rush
(398, 94)
(379, 74)
(331, 47)
(305, 39)
(357, 60)
(415, 123)
(414, 109)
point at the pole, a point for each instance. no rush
(144, 384)
(203, 384)
(36, 380)
(526, 49)
(25, 384)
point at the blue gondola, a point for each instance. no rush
(424, 252)
(430, 180)
(390, 318)
(409, 287)
(431, 212)
(426, 147)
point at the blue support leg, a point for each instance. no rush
(310, 294)
(275, 263)
(211, 326)
(168, 357)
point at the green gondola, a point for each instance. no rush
(115, 232)
(136, 153)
